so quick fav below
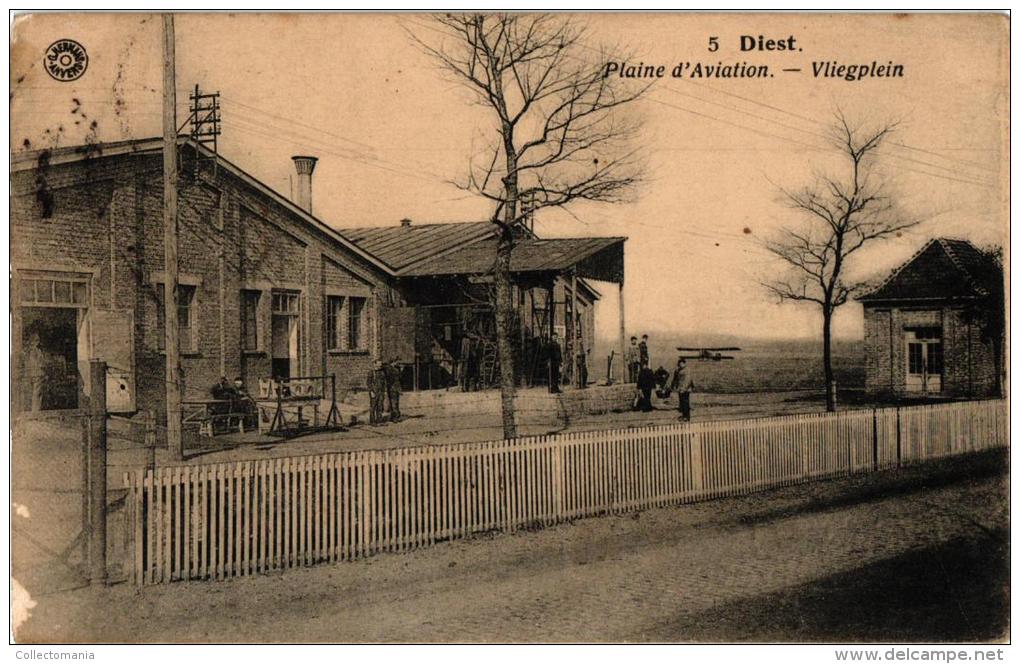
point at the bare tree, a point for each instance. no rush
(556, 136)
(843, 214)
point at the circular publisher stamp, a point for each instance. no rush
(66, 60)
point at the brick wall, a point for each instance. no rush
(968, 362)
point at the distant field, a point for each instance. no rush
(760, 366)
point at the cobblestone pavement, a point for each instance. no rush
(639, 577)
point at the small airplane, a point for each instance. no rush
(713, 354)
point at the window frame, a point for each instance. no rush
(356, 338)
(186, 335)
(248, 294)
(336, 309)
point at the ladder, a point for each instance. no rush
(489, 363)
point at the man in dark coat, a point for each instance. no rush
(662, 389)
(555, 355)
(645, 385)
(392, 372)
(376, 393)
(643, 350)
(682, 385)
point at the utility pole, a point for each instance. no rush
(172, 345)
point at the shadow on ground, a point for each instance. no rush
(939, 474)
(957, 591)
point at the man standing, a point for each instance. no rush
(35, 372)
(465, 355)
(632, 358)
(555, 355)
(392, 372)
(376, 393)
(645, 385)
(582, 368)
(643, 351)
(683, 385)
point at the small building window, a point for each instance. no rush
(356, 323)
(334, 318)
(934, 359)
(185, 318)
(286, 303)
(250, 320)
(915, 358)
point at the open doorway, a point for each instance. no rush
(286, 307)
(49, 338)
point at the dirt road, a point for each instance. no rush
(918, 554)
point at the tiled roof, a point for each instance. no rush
(401, 246)
(942, 269)
(529, 255)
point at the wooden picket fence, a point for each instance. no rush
(250, 517)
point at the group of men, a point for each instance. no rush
(639, 372)
(236, 399)
(384, 392)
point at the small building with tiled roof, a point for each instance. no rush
(929, 327)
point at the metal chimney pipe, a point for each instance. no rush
(305, 165)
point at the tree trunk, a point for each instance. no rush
(504, 322)
(998, 362)
(830, 388)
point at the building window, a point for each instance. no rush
(185, 318)
(286, 303)
(934, 359)
(250, 320)
(356, 323)
(334, 318)
(915, 358)
(53, 292)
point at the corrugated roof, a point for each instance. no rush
(942, 269)
(529, 255)
(402, 246)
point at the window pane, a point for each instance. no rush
(62, 292)
(914, 359)
(249, 319)
(78, 293)
(934, 358)
(334, 307)
(356, 306)
(43, 290)
(28, 290)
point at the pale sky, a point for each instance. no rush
(389, 128)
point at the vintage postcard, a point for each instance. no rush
(510, 328)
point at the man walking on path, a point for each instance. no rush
(682, 385)
(555, 355)
(392, 372)
(376, 393)
(632, 358)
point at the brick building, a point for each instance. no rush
(929, 328)
(266, 288)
